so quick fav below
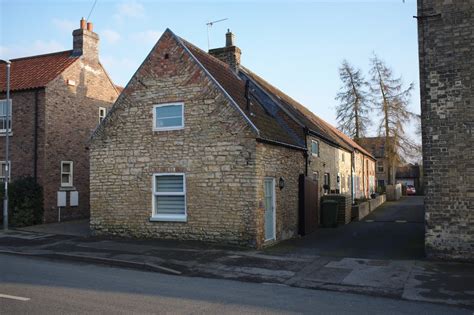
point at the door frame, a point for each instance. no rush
(273, 207)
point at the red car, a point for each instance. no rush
(411, 190)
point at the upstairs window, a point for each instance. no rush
(102, 113)
(66, 173)
(314, 148)
(380, 167)
(168, 116)
(169, 197)
(5, 122)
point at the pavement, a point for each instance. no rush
(38, 286)
(373, 264)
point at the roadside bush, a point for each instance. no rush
(25, 202)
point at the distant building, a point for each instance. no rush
(58, 99)
(383, 171)
(446, 52)
(409, 174)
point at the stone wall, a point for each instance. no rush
(279, 162)
(72, 114)
(446, 34)
(344, 207)
(216, 150)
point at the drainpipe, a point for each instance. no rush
(352, 176)
(35, 157)
(306, 133)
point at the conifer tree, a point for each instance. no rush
(353, 108)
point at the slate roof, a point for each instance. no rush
(35, 71)
(272, 122)
(277, 116)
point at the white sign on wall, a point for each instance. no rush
(61, 198)
(74, 199)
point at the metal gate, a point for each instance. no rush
(308, 205)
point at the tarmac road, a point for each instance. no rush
(38, 286)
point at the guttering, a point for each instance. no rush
(281, 144)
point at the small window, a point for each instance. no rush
(315, 148)
(343, 156)
(380, 167)
(66, 173)
(5, 122)
(327, 183)
(102, 113)
(315, 175)
(168, 116)
(169, 197)
(4, 170)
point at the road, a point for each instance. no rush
(54, 287)
(395, 230)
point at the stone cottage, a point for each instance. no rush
(199, 147)
(446, 53)
(58, 99)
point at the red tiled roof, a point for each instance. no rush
(35, 71)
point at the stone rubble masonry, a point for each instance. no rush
(446, 34)
(216, 150)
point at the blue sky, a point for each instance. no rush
(296, 45)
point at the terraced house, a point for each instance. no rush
(58, 99)
(199, 147)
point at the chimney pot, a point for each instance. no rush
(90, 26)
(83, 24)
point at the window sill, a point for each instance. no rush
(3, 134)
(168, 218)
(67, 188)
(314, 154)
(168, 129)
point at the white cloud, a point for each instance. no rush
(37, 47)
(110, 36)
(65, 25)
(131, 9)
(148, 37)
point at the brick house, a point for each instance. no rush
(199, 147)
(383, 171)
(58, 99)
(445, 44)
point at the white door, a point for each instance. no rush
(269, 195)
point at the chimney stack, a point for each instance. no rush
(85, 41)
(230, 54)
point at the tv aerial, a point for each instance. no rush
(209, 25)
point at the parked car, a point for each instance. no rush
(411, 190)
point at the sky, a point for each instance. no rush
(297, 46)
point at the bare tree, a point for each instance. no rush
(391, 98)
(353, 108)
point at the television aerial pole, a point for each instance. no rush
(209, 25)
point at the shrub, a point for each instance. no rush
(25, 202)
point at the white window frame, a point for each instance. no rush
(317, 143)
(102, 113)
(156, 128)
(71, 173)
(2, 166)
(4, 130)
(168, 217)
